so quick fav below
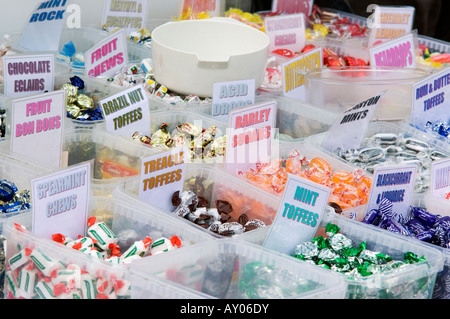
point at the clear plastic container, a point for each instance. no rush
(214, 183)
(329, 88)
(129, 223)
(435, 44)
(412, 283)
(423, 180)
(295, 120)
(229, 269)
(21, 173)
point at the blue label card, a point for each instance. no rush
(299, 215)
(348, 130)
(43, 30)
(161, 176)
(395, 183)
(431, 99)
(230, 95)
(61, 202)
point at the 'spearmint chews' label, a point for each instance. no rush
(299, 215)
(399, 52)
(61, 202)
(394, 182)
(128, 15)
(348, 130)
(28, 74)
(249, 136)
(37, 127)
(286, 32)
(293, 80)
(387, 23)
(127, 112)
(44, 27)
(161, 176)
(430, 99)
(230, 95)
(440, 177)
(108, 56)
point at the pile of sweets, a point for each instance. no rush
(348, 189)
(202, 143)
(325, 23)
(70, 55)
(80, 106)
(262, 281)
(339, 253)
(332, 59)
(11, 199)
(392, 148)
(139, 36)
(440, 129)
(217, 220)
(31, 273)
(101, 242)
(432, 58)
(252, 19)
(191, 14)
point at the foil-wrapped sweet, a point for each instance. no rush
(80, 106)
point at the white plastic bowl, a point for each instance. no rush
(190, 56)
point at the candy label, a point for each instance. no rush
(428, 100)
(128, 15)
(286, 32)
(28, 75)
(289, 6)
(348, 130)
(61, 202)
(395, 183)
(399, 52)
(108, 56)
(299, 215)
(440, 177)
(230, 95)
(161, 176)
(250, 131)
(37, 127)
(43, 30)
(293, 79)
(388, 23)
(127, 112)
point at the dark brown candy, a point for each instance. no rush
(224, 217)
(223, 207)
(337, 208)
(176, 200)
(243, 219)
(202, 202)
(254, 224)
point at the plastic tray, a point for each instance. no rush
(435, 44)
(385, 127)
(388, 285)
(295, 120)
(217, 184)
(329, 89)
(128, 223)
(196, 272)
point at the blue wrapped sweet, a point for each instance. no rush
(78, 82)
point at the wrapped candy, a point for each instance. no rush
(80, 106)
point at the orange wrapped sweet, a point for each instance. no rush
(348, 189)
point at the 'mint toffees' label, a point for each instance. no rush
(299, 215)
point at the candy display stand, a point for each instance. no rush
(195, 274)
(94, 277)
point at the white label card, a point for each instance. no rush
(299, 215)
(286, 32)
(431, 99)
(348, 129)
(161, 176)
(230, 95)
(399, 52)
(127, 112)
(395, 183)
(43, 30)
(293, 80)
(28, 75)
(440, 177)
(61, 202)
(37, 127)
(108, 56)
(128, 15)
(289, 6)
